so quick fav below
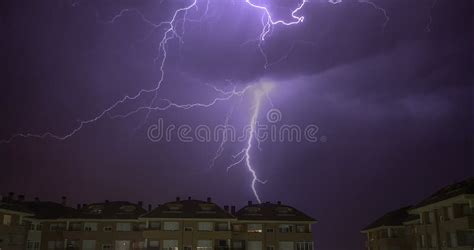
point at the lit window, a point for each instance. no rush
(205, 226)
(254, 228)
(204, 245)
(171, 226)
(170, 245)
(155, 225)
(301, 228)
(7, 219)
(285, 228)
(123, 227)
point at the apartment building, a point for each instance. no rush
(391, 231)
(444, 220)
(13, 232)
(272, 226)
(180, 224)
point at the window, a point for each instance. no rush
(285, 228)
(188, 229)
(39, 227)
(453, 239)
(106, 246)
(423, 241)
(32, 227)
(205, 226)
(170, 244)
(155, 225)
(431, 217)
(304, 245)
(29, 245)
(123, 227)
(254, 228)
(271, 247)
(88, 245)
(171, 226)
(7, 219)
(285, 245)
(75, 227)
(450, 213)
(204, 245)
(237, 228)
(55, 245)
(187, 248)
(122, 245)
(222, 227)
(270, 230)
(108, 229)
(433, 241)
(155, 244)
(254, 245)
(57, 227)
(237, 244)
(37, 245)
(90, 226)
(301, 228)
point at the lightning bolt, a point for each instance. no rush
(245, 154)
(172, 32)
(373, 5)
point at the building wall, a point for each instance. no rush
(12, 232)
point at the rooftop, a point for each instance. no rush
(272, 212)
(393, 218)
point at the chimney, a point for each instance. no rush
(232, 210)
(37, 199)
(10, 196)
(189, 198)
(78, 206)
(149, 207)
(177, 198)
(63, 200)
(249, 203)
(209, 199)
(21, 197)
(279, 202)
(140, 203)
(226, 208)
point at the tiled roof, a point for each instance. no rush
(393, 218)
(463, 187)
(108, 210)
(189, 209)
(14, 207)
(48, 209)
(271, 212)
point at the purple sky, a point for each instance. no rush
(395, 104)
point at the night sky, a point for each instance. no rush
(393, 101)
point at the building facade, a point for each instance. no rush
(442, 221)
(181, 224)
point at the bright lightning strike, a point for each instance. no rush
(260, 92)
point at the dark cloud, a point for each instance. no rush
(395, 105)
